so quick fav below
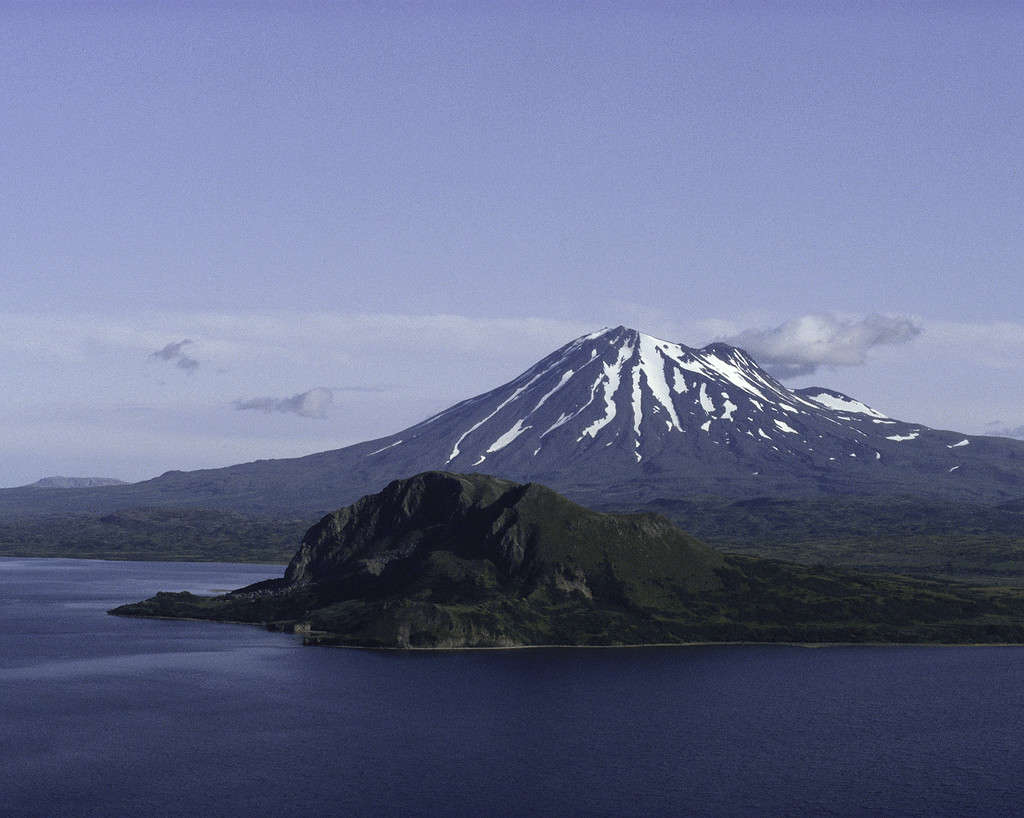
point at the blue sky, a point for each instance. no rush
(357, 214)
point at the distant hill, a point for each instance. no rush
(75, 482)
(445, 560)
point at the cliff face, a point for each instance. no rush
(445, 560)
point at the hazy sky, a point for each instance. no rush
(236, 231)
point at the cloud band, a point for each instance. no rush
(801, 345)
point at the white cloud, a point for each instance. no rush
(801, 345)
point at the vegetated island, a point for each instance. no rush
(446, 561)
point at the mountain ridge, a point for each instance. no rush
(62, 482)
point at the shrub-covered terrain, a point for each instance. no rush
(443, 561)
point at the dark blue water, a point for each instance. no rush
(107, 716)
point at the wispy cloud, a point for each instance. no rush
(175, 352)
(801, 345)
(311, 404)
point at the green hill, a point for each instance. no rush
(443, 560)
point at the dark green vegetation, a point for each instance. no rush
(443, 561)
(152, 534)
(968, 542)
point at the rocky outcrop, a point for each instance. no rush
(475, 525)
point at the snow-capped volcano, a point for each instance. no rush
(618, 418)
(622, 411)
(618, 397)
(623, 387)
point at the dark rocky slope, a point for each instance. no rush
(444, 560)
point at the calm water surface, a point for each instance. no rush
(107, 716)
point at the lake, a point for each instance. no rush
(101, 715)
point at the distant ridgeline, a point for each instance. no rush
(448, 561)
(622, 421)
(75, 482)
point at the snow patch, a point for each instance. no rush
(383, 448)
(613, 376)
(562, 419)
(565, 418)
(844, 404)
(706, 426)
(711, 365)
(786, 427)
(565, 378)
(678, 381)
(899, 438)
(964, 442)
(705, 400)
(516, 430)
(638, 407)
(502, 405)
(653, 365)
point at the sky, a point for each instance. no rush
(234, 231)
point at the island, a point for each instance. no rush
(445, 561)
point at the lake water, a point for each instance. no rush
(101, 715)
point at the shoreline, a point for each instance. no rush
(712, 644)
(162, 560)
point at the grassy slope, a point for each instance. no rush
(964, 542)
(153, 534)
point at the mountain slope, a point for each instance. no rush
(613, 419)
(446, 560)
